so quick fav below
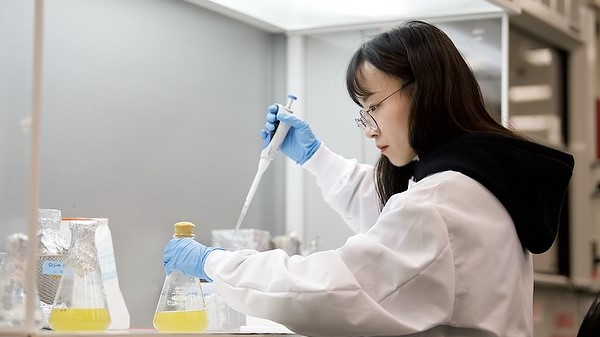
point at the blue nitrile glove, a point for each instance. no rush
(187, 256)
(300, 143)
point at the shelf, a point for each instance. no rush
(561, 281)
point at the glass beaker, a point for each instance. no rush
(181, 306)
(80, 303)
(13, 295)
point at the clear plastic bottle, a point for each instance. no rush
(181, 306)
(13, 295)
(80, 303)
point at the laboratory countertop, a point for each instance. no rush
(140, 333)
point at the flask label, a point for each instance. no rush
(54, 268)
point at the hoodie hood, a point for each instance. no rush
(529, 179)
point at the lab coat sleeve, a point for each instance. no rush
(347, 186)
(397, 278)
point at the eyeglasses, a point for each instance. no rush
(366, 120)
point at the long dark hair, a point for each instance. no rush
(446, 100)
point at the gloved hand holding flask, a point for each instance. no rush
(187, 256)
(300, 143)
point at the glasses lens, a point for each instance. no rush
(360, 122)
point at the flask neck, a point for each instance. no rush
(183, 236)
(183, 229)
(83, 254)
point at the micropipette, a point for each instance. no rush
(266, 157)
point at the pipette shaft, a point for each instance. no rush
(262, 167)
(266, 156)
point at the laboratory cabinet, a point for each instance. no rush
(147, 112)
(559, 305)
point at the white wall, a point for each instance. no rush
(151, 115)
(16, 59)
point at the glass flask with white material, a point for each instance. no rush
(80, 303)
(52, 253)
(181, 306)
(13, 295)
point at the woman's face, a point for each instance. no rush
(391, 138)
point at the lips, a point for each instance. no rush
(382, 148)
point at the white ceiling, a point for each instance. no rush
(302, 15)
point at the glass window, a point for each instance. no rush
(537, 108)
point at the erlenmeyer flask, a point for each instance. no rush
(12, 284)
(80, 302)
(181, 306)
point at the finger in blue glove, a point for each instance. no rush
(270, 125)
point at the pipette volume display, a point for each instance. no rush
(266, 157)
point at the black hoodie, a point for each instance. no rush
(529, 179)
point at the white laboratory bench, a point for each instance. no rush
(139, 333)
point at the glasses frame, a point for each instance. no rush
(365, 118)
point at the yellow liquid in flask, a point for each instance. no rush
(79, 319)
(180, 321)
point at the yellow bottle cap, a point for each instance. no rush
(184, 229)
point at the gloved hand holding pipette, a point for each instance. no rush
(294, 138)
(300, 143)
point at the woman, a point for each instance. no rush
(445, 223)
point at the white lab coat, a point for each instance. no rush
(442, 258)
